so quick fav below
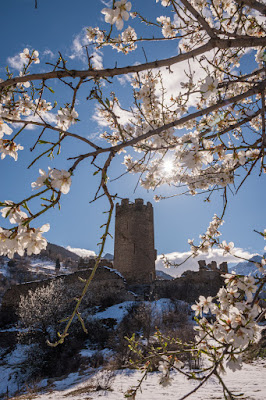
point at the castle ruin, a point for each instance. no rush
(134, 259)
(134, 253)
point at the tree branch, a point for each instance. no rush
(199, 18)
(111, 72)
(256, 5)
(257, 89)
(54, 128)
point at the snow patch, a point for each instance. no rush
(84, 253)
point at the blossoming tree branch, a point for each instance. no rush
(198, 138)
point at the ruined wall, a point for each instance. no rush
(90, 263)
(189, 286)
(134, 254)
(107, 286)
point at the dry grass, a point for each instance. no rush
(32, 392)
(27, 396)
(77, 392)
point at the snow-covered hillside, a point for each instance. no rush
(250, 381)
(14, 363)
(35, 265)
(247, 267)
(111, 384)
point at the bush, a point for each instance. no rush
(99, 331)
(40, 311)
(142, 321)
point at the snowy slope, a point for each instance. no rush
(250, 381)
(247, 267)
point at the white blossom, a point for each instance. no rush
(32, 239)
(4, 129)
(234, 324)
(9, 148)
(119, 14)
(209, 86)
(41, 180)
(164, 3)
(168, 28)
(13, 212)
(42, 106)
(33, 56)
(61, 180)
(66, 117)
(203, 306)
(21, 84)
(227, 247)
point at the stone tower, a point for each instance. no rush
(134, 254)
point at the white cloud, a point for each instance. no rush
(175, 75)
(49, 53)
(97, 59)
(107, 3)
(77, 48)
(124, 79)
(16, 62)
(98, 118)
(48, 117)
(81, 252)
(192, 263)
(122, 115)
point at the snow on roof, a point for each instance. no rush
(115, 271)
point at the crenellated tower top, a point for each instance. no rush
(137, 205)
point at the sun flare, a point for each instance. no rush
(168, 166)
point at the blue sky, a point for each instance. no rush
(57, 26)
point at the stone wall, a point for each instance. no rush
(134, 254)
(189, 286)
(107, 286)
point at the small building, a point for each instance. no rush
(134, 253)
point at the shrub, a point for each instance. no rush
(40, 311)
(142, 320)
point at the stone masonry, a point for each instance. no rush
(134, 254)
(108, 286)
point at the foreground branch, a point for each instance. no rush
(245, 42)
(97, 261)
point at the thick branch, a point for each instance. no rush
(181, 121)
(111, 72)
(199, 18)
(256, 5)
